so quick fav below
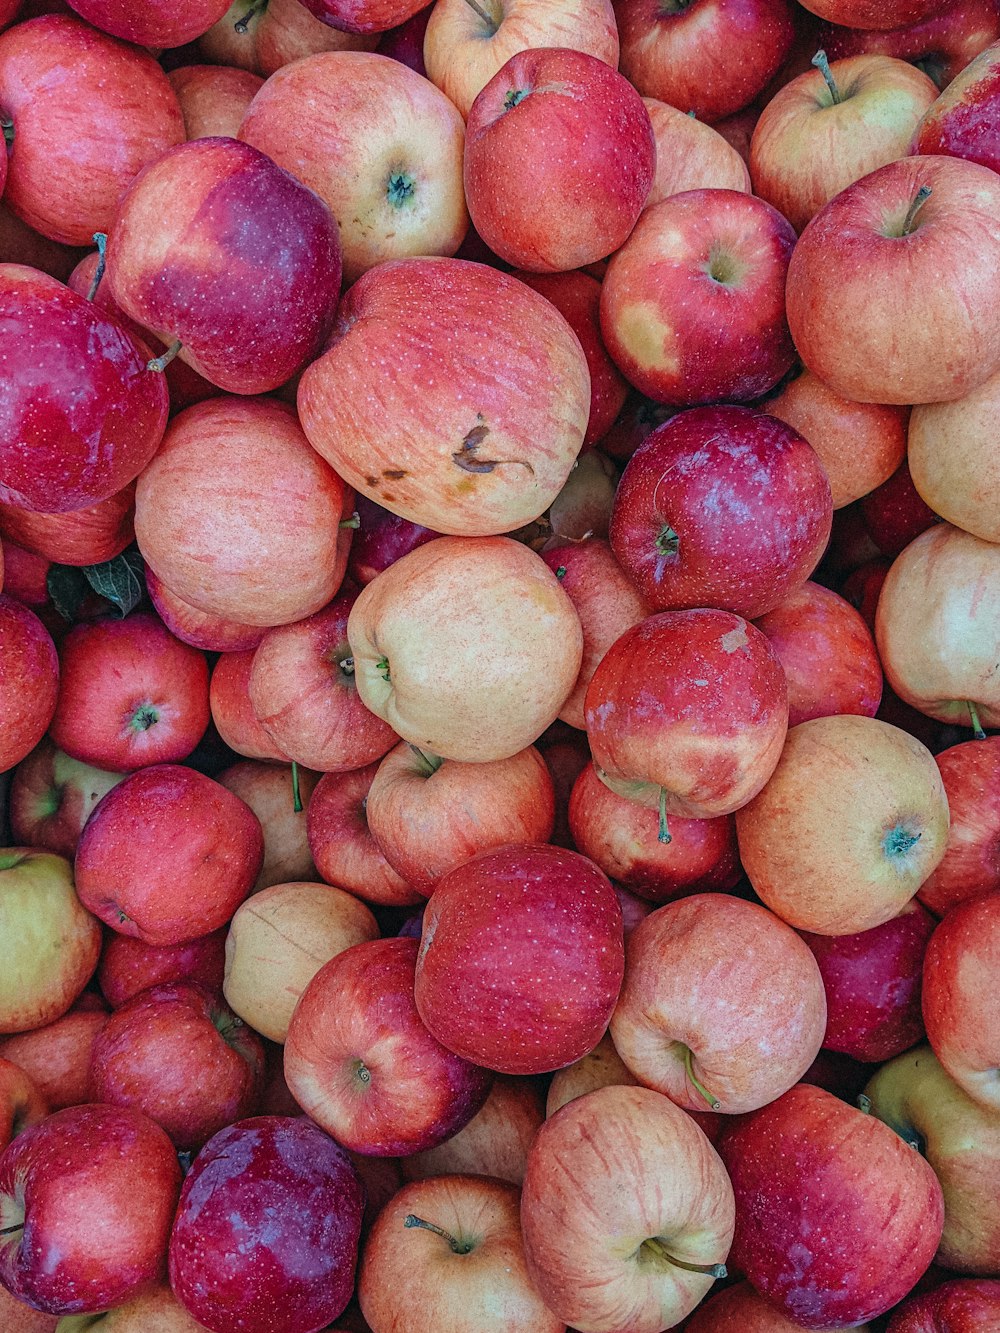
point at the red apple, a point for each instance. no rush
(496, 1140)
(21, 1103)
(52, 796)
(201, 629)
(942, 44)
(129, 966)
(87, 536)
(155, 22)
(232, 711)
(270, 792)
(963, 1305)
(25, 575)
(836, 1217)
(405, 41)
(894, 513)
(58, 1056)
(130, 694)
(691, 155)
(739, 1309)
(960, 122)
(168, 855)
(521, 958)
(879, 14)
(971, 863)
(380, 538)
(269, 1220)
(56, 1180)
(29, 681)
(213, 98)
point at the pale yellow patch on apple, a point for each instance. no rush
(649, 339)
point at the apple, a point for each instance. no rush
(851, 823)
(894, 513)
(626, 1210)
(189, 256)
(936, 627)
(288, 31)
(180, 1055)
(860, 444)
(444, 441)
(960, 1139)
(87, 536)
(521, 958)
(77, 1166)
(233, 713)
(832, 125)
(902, 225)
(68, 185)
(130, 694)
(621, 837)
(58, 1055)
(733, 1045)
(213, 98)
(602, 1067)
(880, 14)
(963, 1305)
(582, 509)
(496, 1140)
(50, 943)
(379, 144)
(21, 1103)
(971, 863)
(29, 681)
(269, 790)
(269, 1220)
(17, 1317)
(156, 22)
(405, 41)
(52, 797)
(873, 983)
(479, 687)
(266, 550)
(155, 1311)
(25, 574)
(687, 713)
(464, 47)
(201, 629)
(21, 244)
(129, 966)
(279, 939)
(707, 57)
(429, 815)
(693, 304)
(459, 1238)
(168, 855)
(363, 15)
(691, 155)
(739, 1309)
(380, 538)
(345, 1063)
(958, 123)
(836, 1217)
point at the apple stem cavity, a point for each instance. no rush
(242, 26)
(654, 1246)
(160, 363)
(919, 199)
(427, 762)
(457, 1246)
(977, 726)
(713, 1103)
(823, 65)
(296, 793)
(663, 829)
(101, 241)
(487, 18)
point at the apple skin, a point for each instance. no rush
(878, 14)
(496, 1140)
(971, 863)
(959, 123)
(155, 1311)
(200, 629)
(445, 442)
(68, 185)
(739, 1309)
(266, 550)
(233, 713)
(602, 1067)
(521, 958)
(87, 536)
(269, 791)
(894, 513)
(235, 1258)
(691, 155)
(58, 1055)
(168, 855)
(692, 305)
(16, 1317)
(129, 966)
(840, 323)
(959, 999)
(213, 98)
(345, 1063)
(936, 626)
(689, 708)
(859, 444)
(180, 1055)
(473, 1281)
(827, 653)
(429, 817)
(609, 1174)
(130, 694)
(806, 148)
(278, 940)
(873, 984)
(50, 942)
(189, 256)
(725, 988)
(87, 1162)
(711, 58)
(363, 15)
(29, 681)
(377, 142)
(156, 23)
(52, 797)
(381, 538)
(866, 1217)
(21, 1103)
(851, 823)
(960, 1139)
(288, 31)
(963, 1305)
(942, 44)
(723, 507)
(620, 836)
(24, 575)
(590, 140)
(94, 418)
(405, 41)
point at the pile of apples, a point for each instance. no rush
(499, 646)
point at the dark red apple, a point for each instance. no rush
(942, 44)
(128, 966)
(962, 1305)
(29, 681)
(155, 22)
(894, 513)
(963, 120)
(380, 538)
(971, 865)
(87, 536)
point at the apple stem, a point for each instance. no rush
(429, 763)
(101, 241)
(657, 1247)
(919, 199)
(346, 664)
(698, 1087)
(458, 1247)
(160, 363)
(488, 19)
(823, 65)
(10, 1231)
(561, 572)
(242, 26)
(8, 130)
(296, 794)
(977, 726)
(663, 830)
(353, 522)
(864, 1104)
(382, 667)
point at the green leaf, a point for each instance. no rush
(67, 587)
(121, 580)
